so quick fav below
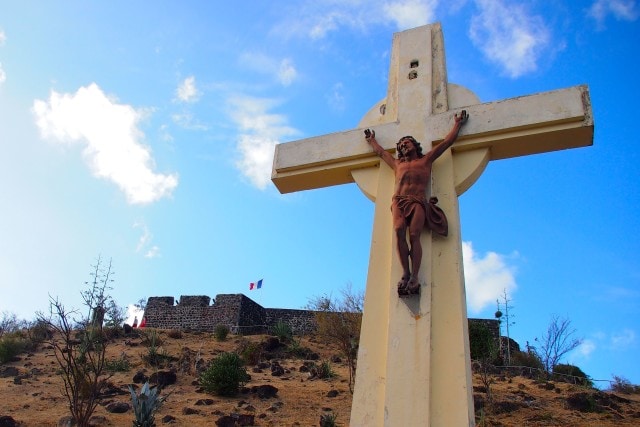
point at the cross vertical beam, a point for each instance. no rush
(408, 348)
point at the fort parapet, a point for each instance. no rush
(238, 312)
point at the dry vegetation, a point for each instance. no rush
(30, 390)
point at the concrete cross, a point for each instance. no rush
(413, 360)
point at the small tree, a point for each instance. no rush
(339, 322)
(80, 346)
(556, 342)
(9, 323)
(13, 339)
(623, 385)
(114, 315)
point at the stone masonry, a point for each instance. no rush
(241, 314)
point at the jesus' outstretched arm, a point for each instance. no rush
(451, 136)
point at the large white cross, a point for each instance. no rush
(413, 359)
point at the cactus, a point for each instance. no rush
(145, 405)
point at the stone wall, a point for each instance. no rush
(301, 321)
(241, 314)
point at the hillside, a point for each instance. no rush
(30, 390)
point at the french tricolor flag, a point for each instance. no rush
(255, 285)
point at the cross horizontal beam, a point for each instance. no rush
(548, 121)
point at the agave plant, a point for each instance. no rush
(145, 405)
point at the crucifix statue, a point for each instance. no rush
(410, 209)
(413, 358)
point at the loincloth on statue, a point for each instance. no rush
(434, 218)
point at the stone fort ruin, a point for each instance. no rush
(238, 312)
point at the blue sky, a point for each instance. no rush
(144, 132)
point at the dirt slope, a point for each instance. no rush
(30, 391)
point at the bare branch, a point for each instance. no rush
(557, 342)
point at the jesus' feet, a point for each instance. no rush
(413, 286)
(402, 285)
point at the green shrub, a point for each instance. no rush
(11, 346)
(145, 405)
(571, 374)
(296, 349)
(328, 420)
(117, 365)
(220, 332)
(325, 370)
(38, 331)
(529, 359)
(225, 375)
(623, 385)
(157, 357)
(481, 342)
(282, 330)
(250, 352)
(151, 338)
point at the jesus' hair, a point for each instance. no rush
(416, 143)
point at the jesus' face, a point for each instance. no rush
(406, 147)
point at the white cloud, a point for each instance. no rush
(411, 13)
(616, 294)
(599, 335)
(187, 121)
(145, 238)
(187, 91)
(165, 135)
(153, 252)
(317, 19)
(623, 339)
(145, 241)
(3, 37)
(326, 23)
(287, 72)
(486, 278)
(510, 36)
(284, 70)
(336, 98)
(111, 139)
(622, 10)
(586, 348)
(259, 132)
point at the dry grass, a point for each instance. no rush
(34, 397)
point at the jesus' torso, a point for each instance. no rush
(412, 177)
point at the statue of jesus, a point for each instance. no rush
(410, 208)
